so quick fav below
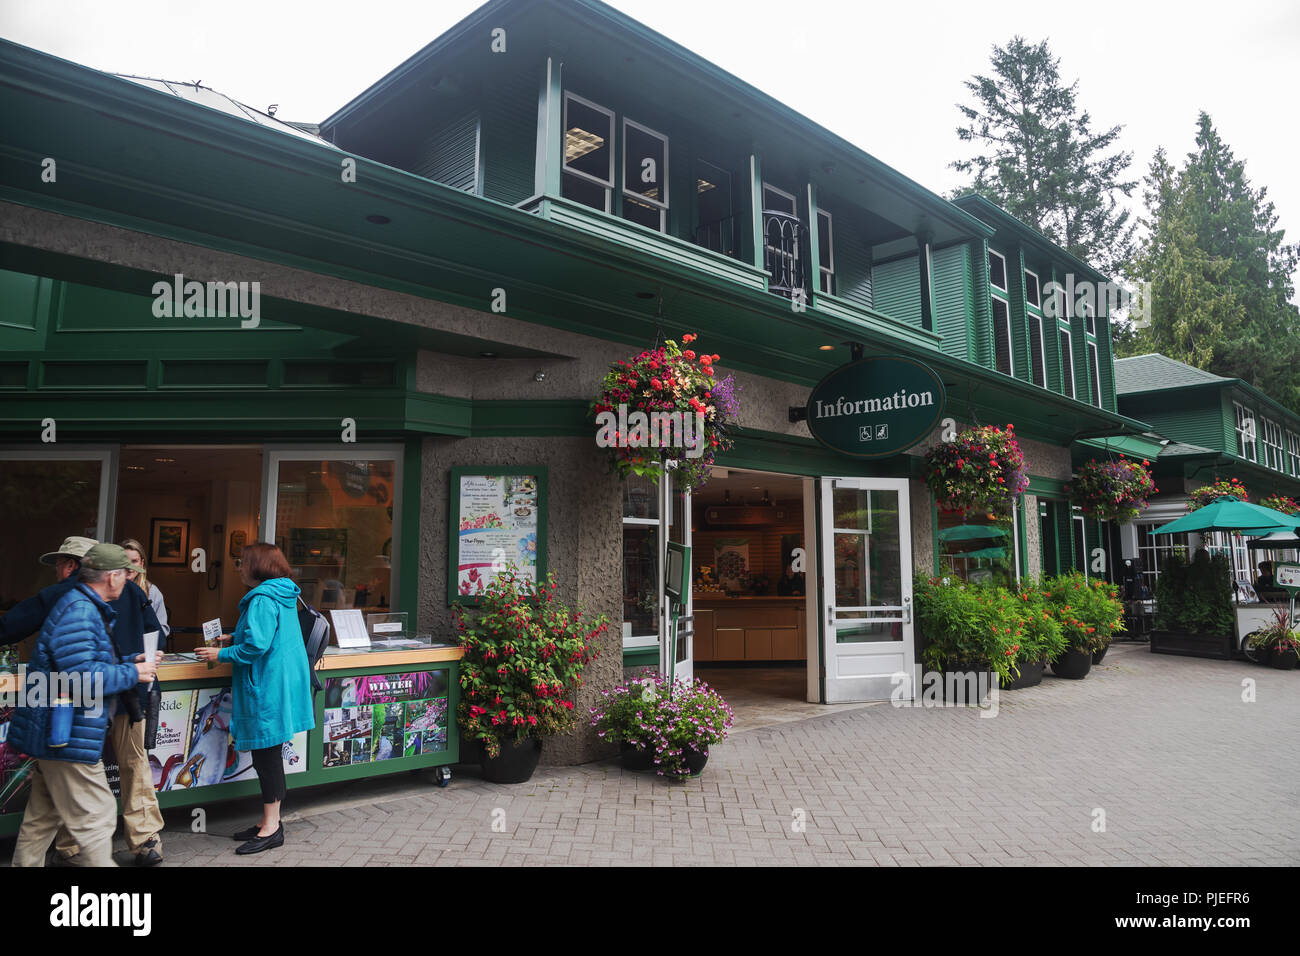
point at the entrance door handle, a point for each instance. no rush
(907, 610)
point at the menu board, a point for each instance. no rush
(499, 524)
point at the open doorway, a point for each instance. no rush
(753, 584)
(173, 499)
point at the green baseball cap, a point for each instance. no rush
(74, 546)
(108, 557)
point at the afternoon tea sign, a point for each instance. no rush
(497, 523)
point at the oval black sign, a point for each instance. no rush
(875, 407)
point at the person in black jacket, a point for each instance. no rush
(27, 617)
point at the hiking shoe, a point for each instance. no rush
(150, 853)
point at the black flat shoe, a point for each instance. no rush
(248, 833)
(258, 844)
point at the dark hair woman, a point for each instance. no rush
(271, 686)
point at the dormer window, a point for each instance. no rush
(645, 176)
(588, 176)
(997, 270)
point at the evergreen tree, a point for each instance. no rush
(1041, 160)
(1220, 274)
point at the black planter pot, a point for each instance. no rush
(1031, 675)
(636, 759)
(1098, 655)
(694, 761)
(1186, 644)
(515, 764)
(1073, 664)
(1282, 660)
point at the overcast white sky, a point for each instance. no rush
(885, 76)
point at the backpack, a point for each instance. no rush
(316, 637)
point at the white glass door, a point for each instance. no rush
(866, 542)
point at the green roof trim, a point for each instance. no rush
(977, 204)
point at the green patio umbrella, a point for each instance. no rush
(971, 532)
(1229, 514)
(1279, 539)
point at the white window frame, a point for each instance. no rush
(109, 458)
(1038, 285)
(663, 177)
(1005, 275)
(608, 184)
(1067, 358)
(1293, 451)
(1042, 348)
(822, 271)
(273, 455)
(794, 202)
(1274, 456)
(1246, 432)
(1011, 349)
(1094, 373)
(1089, 316)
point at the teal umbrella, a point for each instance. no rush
(1279, 539)
(1229, 514)
(971, 532)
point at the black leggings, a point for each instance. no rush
(270, 772)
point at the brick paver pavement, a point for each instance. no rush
(1184, 770)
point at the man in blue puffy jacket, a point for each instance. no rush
(75, 649)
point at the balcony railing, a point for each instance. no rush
(785, 243)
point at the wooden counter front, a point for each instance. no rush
(750, 629)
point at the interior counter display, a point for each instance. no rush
(381, 711)
(750, 629)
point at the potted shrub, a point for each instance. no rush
(525, 652)
(685, 721)
(1275, 643)
(981, 470)
(969, 630)
(621, 716)
(1089, 613)
(668, 379)
(1112, 490)
(1042, 639)
(1194, 614)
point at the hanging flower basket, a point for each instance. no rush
(1202, 496)
(1112, 490)
(666, 405)
(981, 470)
(1288, 506)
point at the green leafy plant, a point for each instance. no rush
(670, 718)
(981, 470)
(1277, 635)
(968, 626)
(1042, 637)
(1224, 487)
(1088, 610)
(1195, 596)
(1112, 490)
(525, 652)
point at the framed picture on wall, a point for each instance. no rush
(497, 522)
(169, 541)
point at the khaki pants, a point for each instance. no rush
(140, 814)
(76, 796)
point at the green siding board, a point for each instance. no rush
(449, 153)
(896, 289)
(983, 311)
(950, 281)
(852, 265)
(1016, 303)
(509, 138)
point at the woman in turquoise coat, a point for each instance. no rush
(271, 682)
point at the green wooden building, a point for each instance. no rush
(446, 267)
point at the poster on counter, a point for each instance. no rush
(195, 748)
(498, 522)
(381, 716)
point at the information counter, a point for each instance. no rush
(750, 629)
(381, 711)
